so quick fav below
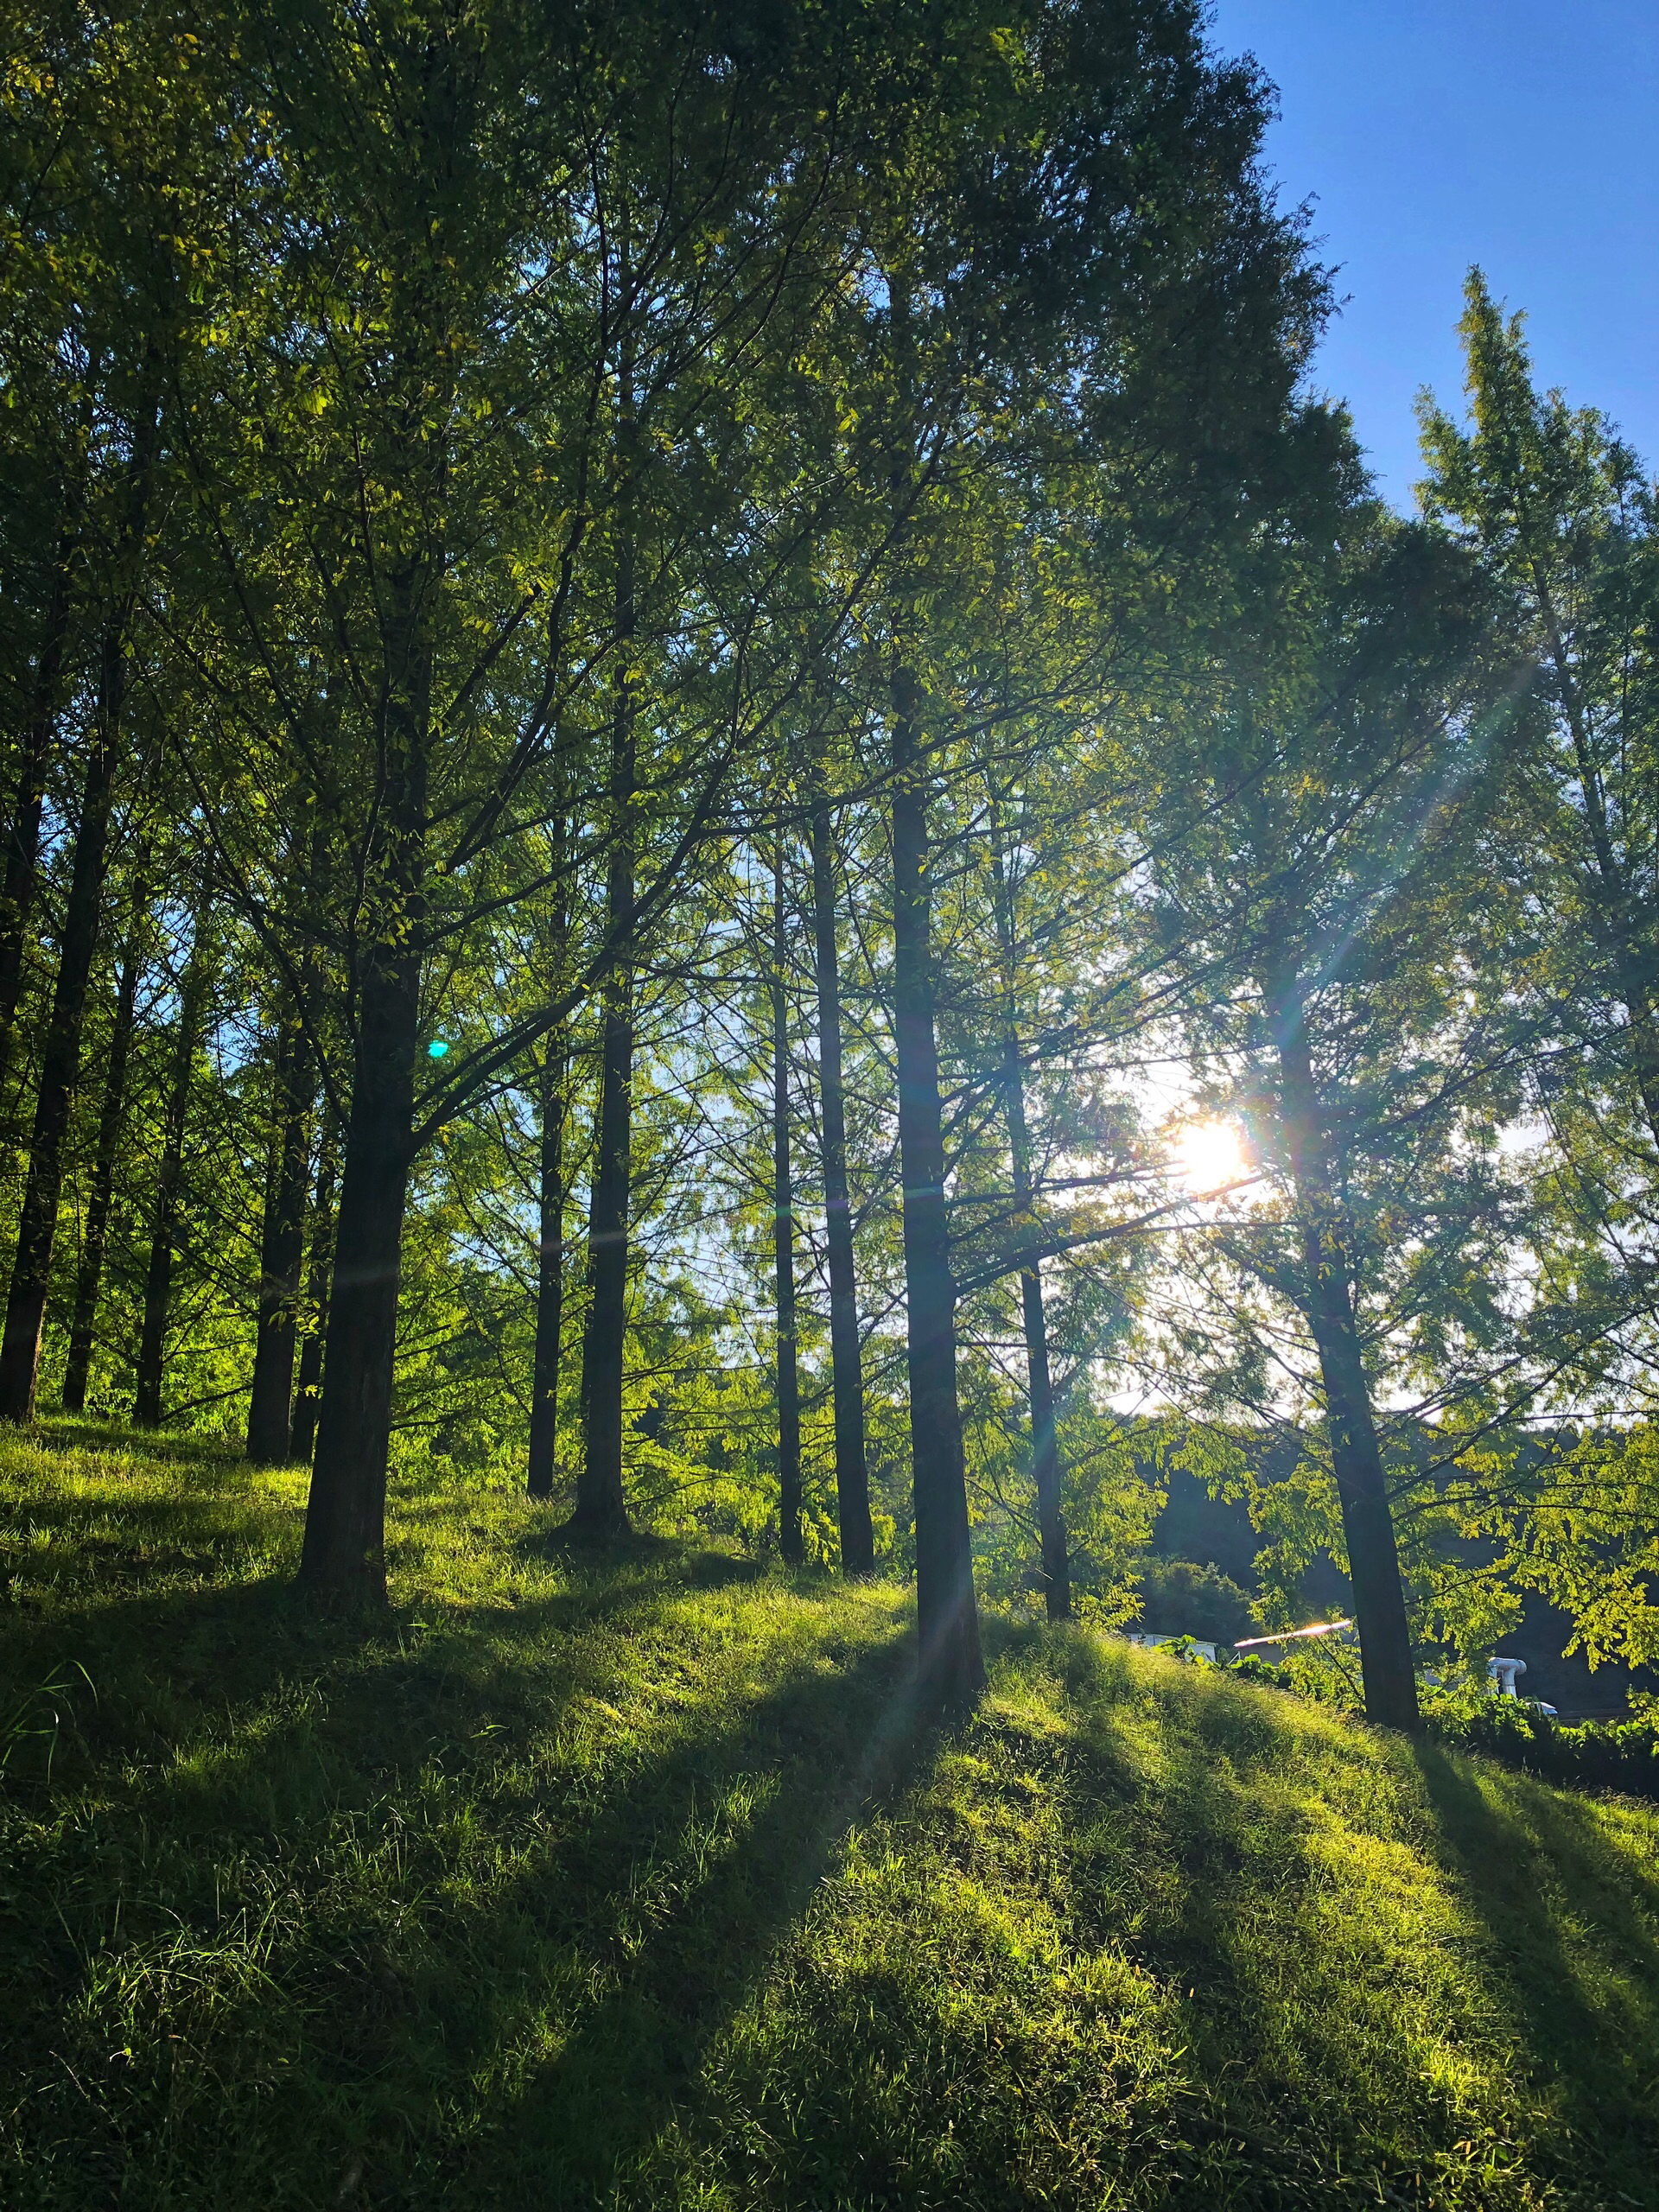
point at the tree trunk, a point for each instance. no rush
(947, 1616)
(89, 1278)
(21, 874)
(852, 1474)
(550, 1273)
(783, 1208)
(158, 1279)
(1045, 1441)
(601, 1506)
(1390, 1681)
(342, 1563)
(282, 1252)
(307, 1395)
(20, 1349)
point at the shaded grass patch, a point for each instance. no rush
(640, 1881)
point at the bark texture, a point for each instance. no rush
(342, 1564)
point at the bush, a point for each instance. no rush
(1585, 1755)
(1179, 1598)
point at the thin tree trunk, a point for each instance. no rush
(852, 1474)
(601, 1506)
(307, 1395)
(281, 1246)
(89, 1278)
(553, 1107)
(20, 1346)
(1390, 1681)
(947, 1615)
(31, 1273)
(550, 1273)
(342, 1562)
(163, 1245)
(783, 1206)
(21, 875)
(1044, 1441)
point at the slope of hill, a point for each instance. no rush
(640, 1885)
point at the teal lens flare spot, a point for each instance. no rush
(437, 1048)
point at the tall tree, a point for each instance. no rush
(89, 1274)
(20, 1350)
(782, 1231)
(846, 1351)
(166, 1221)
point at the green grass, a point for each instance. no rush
(641, 1885)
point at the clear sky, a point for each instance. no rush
(1520, 134)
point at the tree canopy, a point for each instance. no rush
(677, 684)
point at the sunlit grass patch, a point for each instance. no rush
(640, 1881)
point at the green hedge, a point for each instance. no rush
(1583, 1755)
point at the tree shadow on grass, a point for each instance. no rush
(651, 1928)
(467, 1854)
(1573, 1925)
(1333, 1931)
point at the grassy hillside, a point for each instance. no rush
(640, 1885)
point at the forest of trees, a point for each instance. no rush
(719, 795)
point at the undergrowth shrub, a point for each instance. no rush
(1580, 1755)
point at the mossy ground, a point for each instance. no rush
(641, 1883)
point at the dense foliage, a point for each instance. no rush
(718, 799)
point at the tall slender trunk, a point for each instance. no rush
(89, 1277)
(342, 1562)
(550, 1272)
(1356, 1459)
(31, 1273)
(164, 1238)
(947, 1614)
(37, 1226)
(20, 879)
(282, 1243)
(308, 1393)
(601, 1506)
(852, 1474)
(783, 1210)
(554, 1108)
(1044, 1441)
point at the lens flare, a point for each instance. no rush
(1211, 1155)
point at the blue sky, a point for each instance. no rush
(1520, 134)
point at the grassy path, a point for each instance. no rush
(641, 1886)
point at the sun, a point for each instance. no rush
(1211, 1155)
